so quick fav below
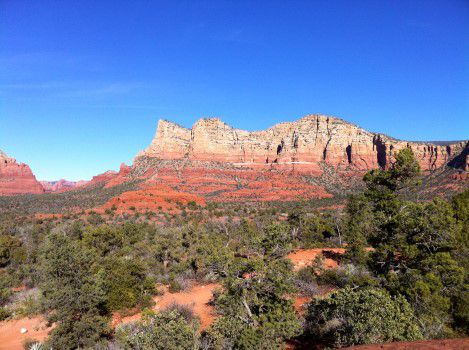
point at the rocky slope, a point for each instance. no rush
(16, 178)
(314, 157)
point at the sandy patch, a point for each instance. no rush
(10, 332)
(198, 298)
(305, 257)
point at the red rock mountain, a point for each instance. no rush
(314, 157)
(16, 178)
(61, 185)
(302, 145)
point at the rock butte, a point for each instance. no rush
(316, 156)
(301, 145)
(16, 178)
(312, 157)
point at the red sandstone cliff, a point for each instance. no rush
(314, 157)
(301, 145)
(16, 178)
(110, 178)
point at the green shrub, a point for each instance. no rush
(167, 330)
(255, 312)
(72, 293)
(350, 317)
(4, 313)
(126, 284)
(192, 205)
(11, 250)
(347, 275)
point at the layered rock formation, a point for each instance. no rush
(110, 178)
(314, 157)
(61, 185)
(301, 145)
(16, 178)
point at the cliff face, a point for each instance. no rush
(301, 145)
(16, 178)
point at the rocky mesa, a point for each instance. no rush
(316, 156)
(16, 178)
(300, 145)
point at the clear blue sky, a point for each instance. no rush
(83, 83)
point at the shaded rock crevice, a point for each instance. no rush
(380, 147)
(348, 151)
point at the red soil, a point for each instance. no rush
(299, 304)
(45, 216)
(305, 257)
(221, 185)
(150, 199)
(197, 298)
(235, 185)
(437, 344)
(11, 337)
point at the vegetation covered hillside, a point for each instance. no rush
(403, 276)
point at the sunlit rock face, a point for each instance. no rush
(301, 145)
(16, 178)
(316, 156)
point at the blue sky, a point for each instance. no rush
(83, 83)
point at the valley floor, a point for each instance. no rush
(198, 298)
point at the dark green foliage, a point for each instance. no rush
(415, 271)
(103, 239)
(419, 248)
(460, 205)
(313, 229)
(73, 293)
(365, 316)
(348, 275)
(383, 184)
(360, 227)
(255, 313)
(126, 283)
(167, 330)
(11, 250)
(4, 313)
(461, 310)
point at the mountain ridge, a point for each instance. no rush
(316, 156)
(309, 140)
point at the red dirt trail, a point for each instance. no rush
(12, 339)
(197, 298)
(305, 257)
